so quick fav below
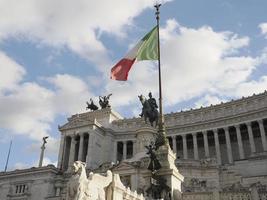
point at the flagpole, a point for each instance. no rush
(161, 116)
(8, 155)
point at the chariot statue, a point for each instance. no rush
(91, 105)
(104, 101)
(149, 109)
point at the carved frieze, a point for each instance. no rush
(236, 187)
(195, 185)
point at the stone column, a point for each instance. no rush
(228, 145)
(217, 146)
(124, 150)
(80, 154)
(239, 141)
(134, 147)
(61, 152)
(174, 147)
(251, 138)
(196, 157)
(263, 136)
(185, 147)
(206, 144)
(115, 148)
(72, 151)
(90, 150)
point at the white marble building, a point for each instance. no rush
(221, 152)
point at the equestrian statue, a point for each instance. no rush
(149, 109)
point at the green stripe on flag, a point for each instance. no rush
(149, 47)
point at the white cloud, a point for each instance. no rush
(21, 165)
(71, 93)
(73, 24)
(28, 108)
(195, 62)
(263, 27)
(52, 146)
(250, 87)
(208, 100)
(31, 108)
(11, 73)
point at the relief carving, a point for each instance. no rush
(236, 187)
(195, 185)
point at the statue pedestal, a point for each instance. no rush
(134, 173)
(169, 171)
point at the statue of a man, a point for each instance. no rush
(152, 102)
(154, 163)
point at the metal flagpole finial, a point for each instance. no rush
(157, 6)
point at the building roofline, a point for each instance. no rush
(32, 170)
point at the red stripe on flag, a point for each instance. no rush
(121, 69)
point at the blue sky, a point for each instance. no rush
(55, 55)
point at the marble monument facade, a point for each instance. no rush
(221, 150)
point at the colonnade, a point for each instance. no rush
(72, 148)
(226, 144)
(124, 149)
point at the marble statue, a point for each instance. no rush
(98, 185)
(80, 187)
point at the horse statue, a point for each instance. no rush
(104, 101)
(91, 105)
(149, 110)
(80, 187)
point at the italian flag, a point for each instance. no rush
(146, 49)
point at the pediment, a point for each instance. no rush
(76, 122)
(125, 166)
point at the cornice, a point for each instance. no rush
(30, 171)
(218, 123)
(214, 113)
(229, 113)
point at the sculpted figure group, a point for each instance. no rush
(103, 102)
(80, 187)
(149, 110)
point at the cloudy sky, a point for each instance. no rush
(56, 54)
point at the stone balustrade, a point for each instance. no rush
(194, 116)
